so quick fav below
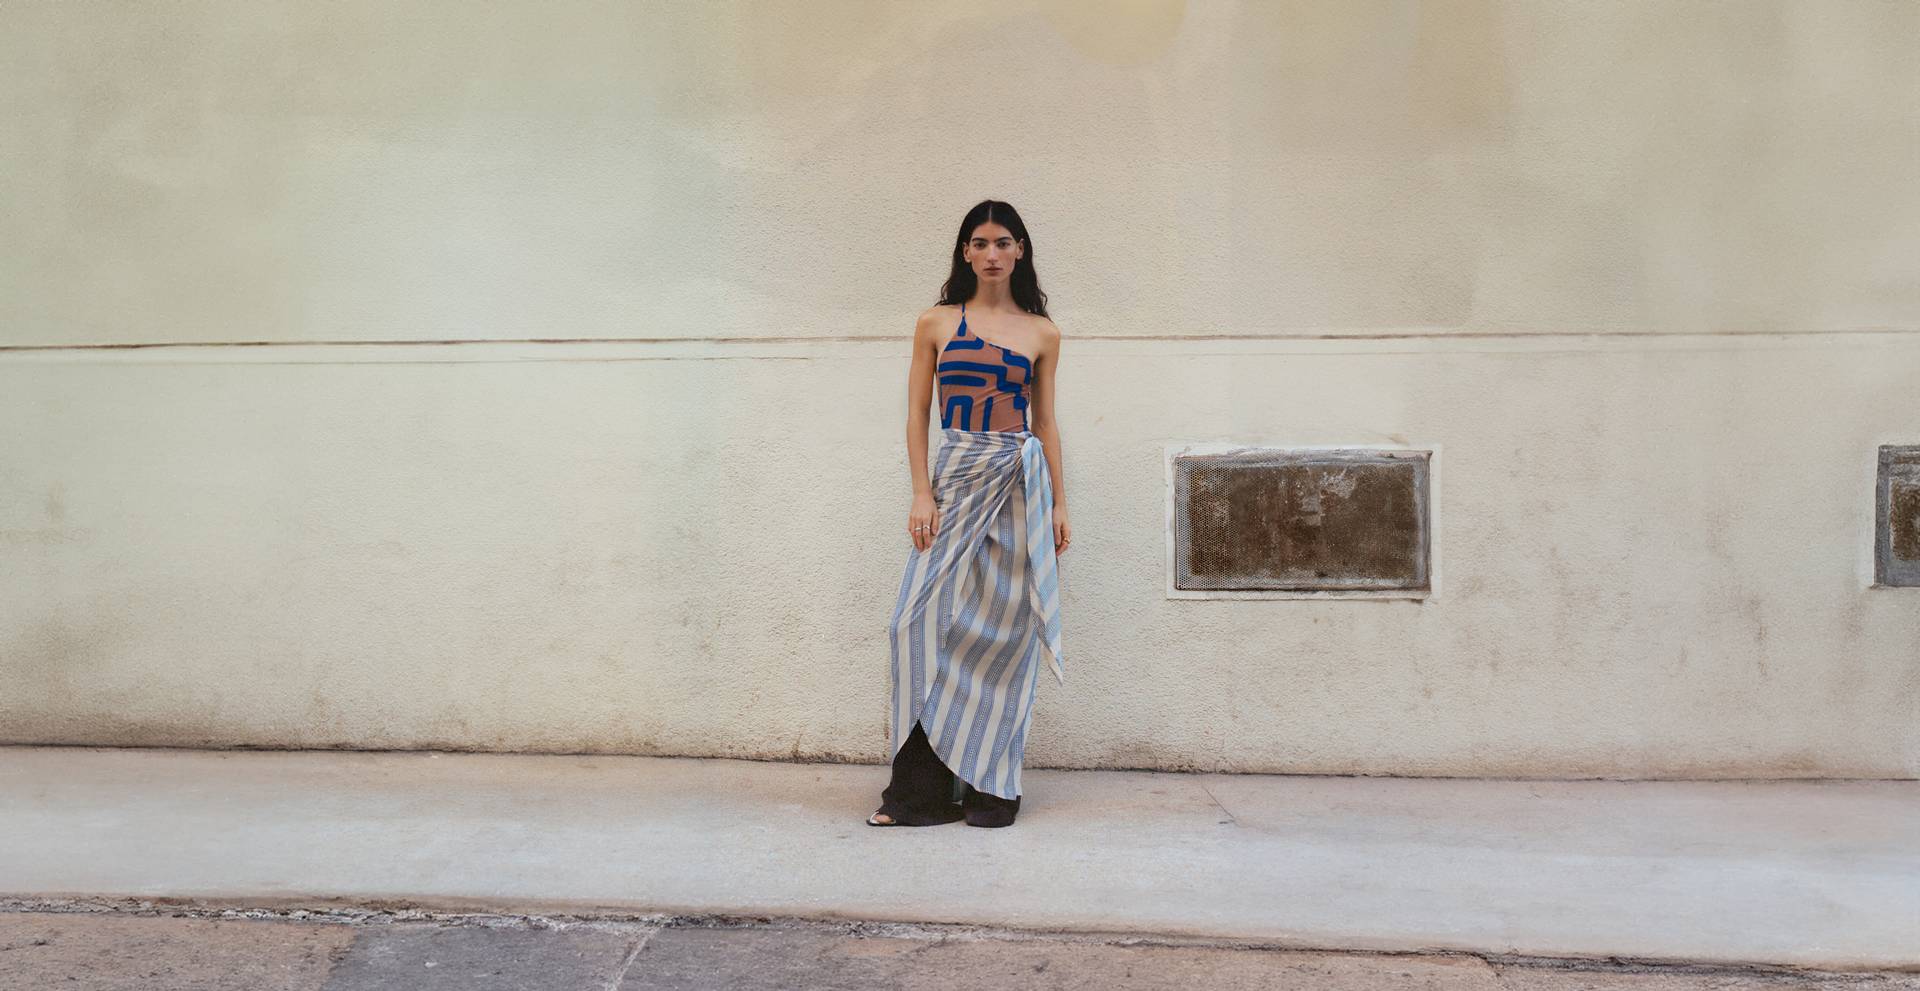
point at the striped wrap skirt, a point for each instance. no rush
(978, 608)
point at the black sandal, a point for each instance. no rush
(904, 816)
(982, 809)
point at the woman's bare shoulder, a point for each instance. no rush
(938, 312)
(935, 321)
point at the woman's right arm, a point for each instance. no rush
(920, 375)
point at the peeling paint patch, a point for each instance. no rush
(1897, 517)
(1271, 519)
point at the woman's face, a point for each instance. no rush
(992, 251)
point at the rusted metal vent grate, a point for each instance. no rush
(1260, 519)
(1896, 553)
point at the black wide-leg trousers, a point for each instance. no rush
(924, 787)
(922, 782)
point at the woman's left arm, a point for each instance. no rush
(1047, 429)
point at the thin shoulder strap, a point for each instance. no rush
(963, 318)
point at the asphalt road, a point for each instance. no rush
(158, 949)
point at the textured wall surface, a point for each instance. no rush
(532, 376)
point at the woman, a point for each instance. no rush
(979, 603)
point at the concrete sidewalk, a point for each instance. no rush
(1810, 874)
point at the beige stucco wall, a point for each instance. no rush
(580, 423)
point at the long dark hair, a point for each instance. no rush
(1024, 284)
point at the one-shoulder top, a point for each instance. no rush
(983, 386)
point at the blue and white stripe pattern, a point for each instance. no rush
(978, 607)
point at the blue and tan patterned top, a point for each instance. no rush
(983, 386)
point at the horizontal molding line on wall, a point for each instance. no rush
(792, 348)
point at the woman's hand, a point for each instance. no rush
(923, 523)
(1062, 531)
